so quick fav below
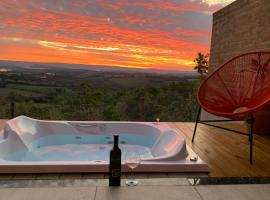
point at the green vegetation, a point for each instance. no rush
(82, 95)
(202, 64)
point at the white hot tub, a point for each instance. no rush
(37, 146)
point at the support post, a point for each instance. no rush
(197, 121)
(251, 122)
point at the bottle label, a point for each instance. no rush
(116, 172)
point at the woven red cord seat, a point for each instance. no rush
(236, 90)
(238, 87)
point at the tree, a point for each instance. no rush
(202, 64)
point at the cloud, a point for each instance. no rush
(217, 2)
(165, 34)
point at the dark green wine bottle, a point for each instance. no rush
(115, 164)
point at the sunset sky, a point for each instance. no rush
(160, 34)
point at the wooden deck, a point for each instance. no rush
(227, 153)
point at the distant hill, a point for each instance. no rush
(37, 65)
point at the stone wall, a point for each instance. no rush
(240, 27)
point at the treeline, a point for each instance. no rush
(173, 102)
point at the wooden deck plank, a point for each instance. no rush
(227, 153)
(234, 147)
(211, 150)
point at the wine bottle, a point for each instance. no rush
(115, 164)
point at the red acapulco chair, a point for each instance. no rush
(236, 90)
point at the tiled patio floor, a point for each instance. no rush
(150, 189)
(63, 176)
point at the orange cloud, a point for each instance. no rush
(151, 35)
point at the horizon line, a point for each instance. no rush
(116, 66)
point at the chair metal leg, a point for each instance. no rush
(249, 128)
(197, 121)
(251, 121)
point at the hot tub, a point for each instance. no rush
(38, 146)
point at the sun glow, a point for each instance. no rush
(166, 35)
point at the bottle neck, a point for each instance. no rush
(115, 141)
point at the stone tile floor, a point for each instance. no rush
(151, 186)
(150, 189)
(96, 175)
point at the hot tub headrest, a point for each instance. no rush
(168, 143)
